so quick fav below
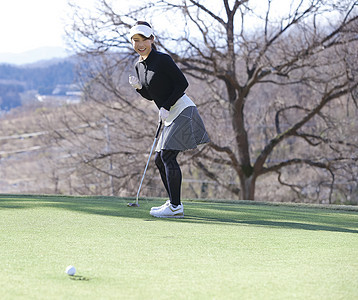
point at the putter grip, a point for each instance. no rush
(158, 130)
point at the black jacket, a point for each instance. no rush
(161, 79)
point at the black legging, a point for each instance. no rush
(166, 161)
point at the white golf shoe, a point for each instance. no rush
(169, 211)
(167, 203)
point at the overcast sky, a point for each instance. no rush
(29, 24)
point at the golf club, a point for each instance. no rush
(146, 167)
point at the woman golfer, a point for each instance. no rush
(159, 79)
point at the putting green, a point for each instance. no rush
(218, 251)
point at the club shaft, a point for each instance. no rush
(150, 155)
(145, 170)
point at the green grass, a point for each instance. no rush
(218, 251)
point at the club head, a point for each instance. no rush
(133, 204)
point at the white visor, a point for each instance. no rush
(140, 29)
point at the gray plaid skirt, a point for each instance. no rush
(186, 132)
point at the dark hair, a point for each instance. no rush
(142, 23)
(147, 24)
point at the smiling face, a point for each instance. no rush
(142, 45)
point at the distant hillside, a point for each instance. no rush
(39, 54)
(15, 80)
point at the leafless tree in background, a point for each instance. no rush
(278, 92)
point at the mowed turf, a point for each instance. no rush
(218, 251)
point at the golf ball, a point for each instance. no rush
(71, 270)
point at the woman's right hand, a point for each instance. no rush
(134, 82)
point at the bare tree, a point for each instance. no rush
(286, 72)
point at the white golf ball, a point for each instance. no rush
(71, 270)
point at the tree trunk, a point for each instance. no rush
(246, 172)
(247, 187)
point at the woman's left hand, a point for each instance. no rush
(163, 114)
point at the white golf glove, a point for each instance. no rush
(163, 114)
(134, 82)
